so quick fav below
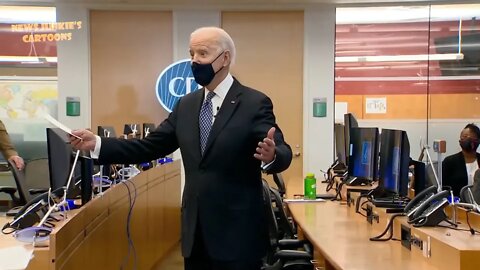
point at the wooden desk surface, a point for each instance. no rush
(342, 238)
(94, 236)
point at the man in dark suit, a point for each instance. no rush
(458, 169)
(227, 134)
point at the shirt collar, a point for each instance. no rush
(223, 87)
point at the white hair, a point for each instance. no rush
(225, 42)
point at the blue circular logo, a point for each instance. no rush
(174, 82)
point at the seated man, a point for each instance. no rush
(7, 148)
(458, 169)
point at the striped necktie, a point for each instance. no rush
(205, 120)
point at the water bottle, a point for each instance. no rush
(310, 191)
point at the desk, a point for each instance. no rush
(94, 236)
(340, 239)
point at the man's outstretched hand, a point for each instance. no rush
(85, 140)
(266, 148)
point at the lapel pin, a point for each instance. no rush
(233, 101)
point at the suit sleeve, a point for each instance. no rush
(448, 169)
(160, 142)
(6, 145)
(263, 121)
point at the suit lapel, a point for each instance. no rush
(229, 105)
(196, 108)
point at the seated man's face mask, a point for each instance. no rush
(204, 73)
(469, 144)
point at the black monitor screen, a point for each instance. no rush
(394, 161)
(363, 153)
(350, 122)
(59, 157)
(147, 128)
(340, 148)
(106, 131)
(469, 47)
(131, 128)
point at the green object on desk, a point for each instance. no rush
(310, 187)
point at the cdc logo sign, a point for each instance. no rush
(174, 82)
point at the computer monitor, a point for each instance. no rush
(106, 131)
(147, 128)
(59, 157)
(130, 129)
(363, 153)
(340, 147)
(394, 161)
(60, 162)
(350, 122)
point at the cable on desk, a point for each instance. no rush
(357, 204)
(338, 195)
(388, 229)
(131, 246)
(331, 182)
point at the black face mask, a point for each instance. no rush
(204, 73)
(469, 145)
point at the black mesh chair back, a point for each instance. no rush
(464, 196)
(32, 180)
(285, 227)
(278, 179)
(272, 223)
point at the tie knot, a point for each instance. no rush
(210, 95)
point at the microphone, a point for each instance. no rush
(429, 158)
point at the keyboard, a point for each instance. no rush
(325, 196)
(388, 203)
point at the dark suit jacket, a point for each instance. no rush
(454, 172)
(223, 189)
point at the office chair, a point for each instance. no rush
(464, 197)
(11, 191)
(476, 186)
(285, 224)
(278, 258)
(278, 179)
(32, 180)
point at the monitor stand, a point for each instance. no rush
(386, 199)
(356, 181)
(339, 168)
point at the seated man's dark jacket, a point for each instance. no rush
(223, 188)
(454, 172)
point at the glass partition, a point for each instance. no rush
(454, 83)
(414, 68)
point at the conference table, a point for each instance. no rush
(340, 237)
(95, 235)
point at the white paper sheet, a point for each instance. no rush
(56, 123)
(303, 200)
(14, 258)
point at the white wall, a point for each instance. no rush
(74, 67)
(318, 82)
